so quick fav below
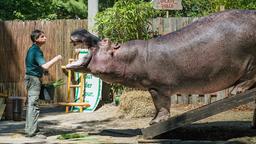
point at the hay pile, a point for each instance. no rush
(135, 104)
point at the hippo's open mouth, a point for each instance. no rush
(82, 62)
(82, 39)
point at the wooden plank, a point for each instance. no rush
(199, 113)
(177, 141)
(220, 95)
(175, 97)
(200, 99)
(1, 100)
(189, 99)
(207, 99)
(2, 107)
(184, 98)
(76, 104)
(194, 98)
(213, 98)
(179, 99)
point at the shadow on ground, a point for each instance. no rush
(119, 132)
(17, 127)
(51, 110)
(213, 131)
(223, 130)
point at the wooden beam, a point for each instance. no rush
(199, 113)
(2, 107)
(81, 105)
(76, 104)
(3, 95)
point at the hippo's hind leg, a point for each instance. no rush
(247, 85)
(162, 105)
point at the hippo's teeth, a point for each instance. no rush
(70, 66)
(76, 64)
(73, 65)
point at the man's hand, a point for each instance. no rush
(58, 57)
(47, 65)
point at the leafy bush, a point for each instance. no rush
(126, 20)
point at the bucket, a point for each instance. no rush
(17, 107)
(9, 109)
(47, 93)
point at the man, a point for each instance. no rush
(35, 67)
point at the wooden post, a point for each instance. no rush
(2, 107)
(92, 11)
(68, 87)
(81, 87)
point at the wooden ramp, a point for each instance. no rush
(200, 113)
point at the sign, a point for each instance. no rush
(92, 88)
(167, 4)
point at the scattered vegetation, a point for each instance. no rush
(71, 136)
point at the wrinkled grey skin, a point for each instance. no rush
(211, 54)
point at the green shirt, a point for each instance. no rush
(34, 61)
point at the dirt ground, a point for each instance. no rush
(108, 125)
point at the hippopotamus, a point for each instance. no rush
(211, 54)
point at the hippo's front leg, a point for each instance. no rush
(162, 105)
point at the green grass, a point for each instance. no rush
(71, 136)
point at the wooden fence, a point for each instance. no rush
(14, 42)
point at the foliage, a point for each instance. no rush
(26, 9)
(104, 4)
(195, 8)
(47, 9)
(71, 136)
(71, 8)
(38, 9)
(126, 20)
(198, 8)
(238, 4)
(55, 84)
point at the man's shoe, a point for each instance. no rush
(40, 136)
(32, 135)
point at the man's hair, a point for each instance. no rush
(35, 34)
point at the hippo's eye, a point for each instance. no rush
(117, 46)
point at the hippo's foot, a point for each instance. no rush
(242, 87)
(162, 115)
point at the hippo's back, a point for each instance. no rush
(208, 55)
